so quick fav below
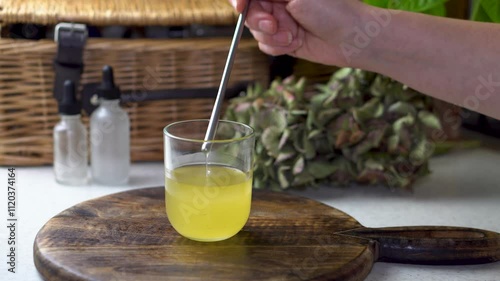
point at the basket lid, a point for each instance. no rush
(118, 12)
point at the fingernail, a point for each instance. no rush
(266, 26)
(234, 3)
(283, 37)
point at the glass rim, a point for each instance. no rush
(170, 135)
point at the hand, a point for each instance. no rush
(449, 59)
(312, 30)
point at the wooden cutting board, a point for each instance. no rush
(127, 236)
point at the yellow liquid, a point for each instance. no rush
(208, 202)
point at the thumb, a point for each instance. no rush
(239, 5)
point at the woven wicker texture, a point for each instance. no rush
(28, 111)
(118, 12)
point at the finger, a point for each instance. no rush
(280, 50)
(260, 17)
(267, 6)
(274, 51)
(281, 38)
(284, 20)
(239, 5)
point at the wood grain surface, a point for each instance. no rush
(127, 236)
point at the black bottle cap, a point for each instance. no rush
(108, 90)
(69, 105)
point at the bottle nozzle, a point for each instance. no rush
(108, 79)
(69, 105)
(108, 90)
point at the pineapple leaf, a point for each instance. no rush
(342, 74)
(402, 108)
(429, 120)
(299, 165)
(314, 133)
(270, 140)
(304, 178)
(310, 150)
(422, 151)
(282, 177)
(371, 110)
(407, 120)
(284, 138)
(359, 127)
(321, 169)
(285, 154)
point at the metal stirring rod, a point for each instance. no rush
(214, 119)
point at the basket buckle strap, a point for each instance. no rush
(68, 63)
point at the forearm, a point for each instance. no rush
(452, 60)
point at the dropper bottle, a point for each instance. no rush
(70, 141)
(109, 135)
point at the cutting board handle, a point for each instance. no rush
(435, 245)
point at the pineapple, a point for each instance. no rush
(360, 127)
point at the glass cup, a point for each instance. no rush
(208, 192)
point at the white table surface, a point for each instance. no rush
(463, 190)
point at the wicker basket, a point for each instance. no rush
(118, 12)
(28, 111)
